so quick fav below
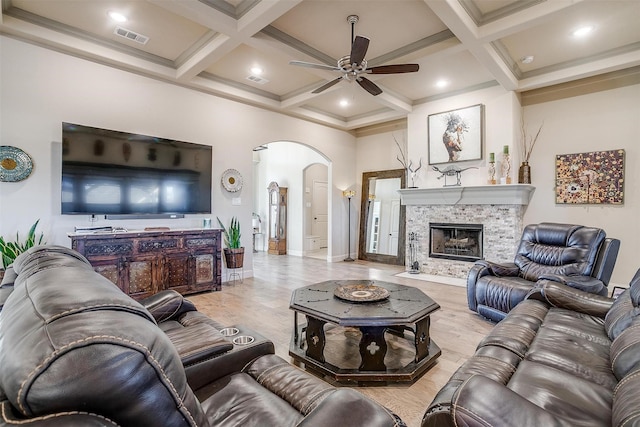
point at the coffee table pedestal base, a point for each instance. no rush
(372, 369)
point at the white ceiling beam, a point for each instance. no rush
(523, 20)
(263, 14)
(232, 92)
(393, 101)
(319, 117)
(84, 48)
(460, 23)
(605, 65)
(214, 50)
(232, 33)
(306, 96)
(201, 13)
(374, 119)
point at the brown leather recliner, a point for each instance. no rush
(573, 255)
(75, 350)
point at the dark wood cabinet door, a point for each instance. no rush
(140, 273)
(174, 272)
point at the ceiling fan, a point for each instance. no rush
(354, 65)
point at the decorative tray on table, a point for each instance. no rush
(361, 292)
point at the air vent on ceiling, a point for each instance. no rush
(131, 35)
(257, 79)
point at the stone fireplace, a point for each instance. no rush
(499, 209)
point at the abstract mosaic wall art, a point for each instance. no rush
(596, 177)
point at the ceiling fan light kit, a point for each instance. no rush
(352, 66)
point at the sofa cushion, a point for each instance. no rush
(624, 309)
(549, 248)
(576, 344)
(238, 400)
(577, 400)
(625, 351)
(625, 402)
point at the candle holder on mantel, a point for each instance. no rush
(506, 166)
(492, 168)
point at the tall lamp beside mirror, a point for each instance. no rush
(349, 195)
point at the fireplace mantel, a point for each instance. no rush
(509, 194)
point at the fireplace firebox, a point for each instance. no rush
(461, 242)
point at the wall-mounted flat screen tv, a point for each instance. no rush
(112, 173)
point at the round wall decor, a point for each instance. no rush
(232, 180)
(15, 164)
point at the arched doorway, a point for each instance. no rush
(288, 163)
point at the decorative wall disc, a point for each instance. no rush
(15, 164)
(232, 180)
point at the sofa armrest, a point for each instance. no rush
(347, 407)
(167, 305)
(9, 417)
(480, 401)
(583, 283)
(508, 269)
(9, 277)
(201, 373)
(563, 296)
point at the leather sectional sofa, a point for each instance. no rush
(77, 351)
(562, 357)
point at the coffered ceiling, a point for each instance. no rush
(212, 46)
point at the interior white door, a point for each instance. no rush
(319, 212)
(395, 227)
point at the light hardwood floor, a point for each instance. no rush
(262, 303)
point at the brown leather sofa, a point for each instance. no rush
(573, 255)
(76, 351)
(562, 357)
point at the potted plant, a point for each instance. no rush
(10, 250)
(233, 253)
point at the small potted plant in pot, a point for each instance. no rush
(233, 253)
(10, 250)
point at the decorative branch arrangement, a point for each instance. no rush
(528, 142)
(407, 166)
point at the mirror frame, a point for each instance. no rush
(364, 213)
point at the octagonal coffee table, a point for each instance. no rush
(378, 312)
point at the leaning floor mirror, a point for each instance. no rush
(382, 217)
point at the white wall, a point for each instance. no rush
(40, 89)
(500, 109)
(598, 121)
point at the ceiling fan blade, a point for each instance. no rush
(359, 49)
(327, 85)
(369, 86)
(394, 69)
(312, 65)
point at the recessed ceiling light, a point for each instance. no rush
(527, 59)
(583, 31)
(442, 83)
(256, 71)
(117, 16)
(344, 102)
